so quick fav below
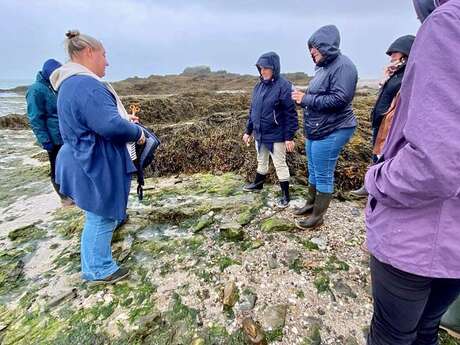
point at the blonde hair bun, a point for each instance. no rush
(72, 33)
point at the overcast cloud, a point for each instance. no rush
(150, 37)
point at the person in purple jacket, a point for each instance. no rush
(413, 212)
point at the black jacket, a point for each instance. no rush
(386, 95)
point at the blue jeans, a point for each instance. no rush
(322, 156)
(96, 249)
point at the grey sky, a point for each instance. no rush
(144, 37)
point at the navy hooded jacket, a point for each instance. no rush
(328, 101)
(273, 115)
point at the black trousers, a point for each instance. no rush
(52, 158)
(407, 307)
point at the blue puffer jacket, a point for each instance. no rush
(93, 166)
(273, 116)
(42, 112)
(328, 101)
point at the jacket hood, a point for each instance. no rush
(423, 8)
(49, 67)
(68, 70)
(402, 45)
(41, 79)
(327, 40)
(270, 60)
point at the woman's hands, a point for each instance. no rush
(297, 96)
(247, 139)
(290, 145)
(141, 140)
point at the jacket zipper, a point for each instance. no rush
(274, 118)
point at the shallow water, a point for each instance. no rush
(161, 231)
(12, 103)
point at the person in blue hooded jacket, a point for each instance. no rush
(43, 119)
(95, 164)
(329, 121)
(273, 123)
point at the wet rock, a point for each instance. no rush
(320, 242)
(247, 216)
(257, 244)
(230, 294)
(26, 233)
(232, 232)
(247, 301)
(274, 317)
(276, 225)
(343, 289)
(314, 336)
(355, 212)
(14, 121)
(311, 320)
(253, 332)
(70, 294)
(41, 156)
(291, 256)
(198, 341)
(272, 262)
(204, 222)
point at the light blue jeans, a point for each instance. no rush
(322, 156)
(96, 249)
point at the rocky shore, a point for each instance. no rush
(210, 264)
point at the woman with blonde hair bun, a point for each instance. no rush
(95, 163)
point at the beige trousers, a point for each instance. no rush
(278, 157)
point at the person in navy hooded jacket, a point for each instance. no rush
(329, 121)
(273, 123)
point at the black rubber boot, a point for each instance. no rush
(309, 202)
(322, 202)
(283, 202)
(360, 193)
(257, 185)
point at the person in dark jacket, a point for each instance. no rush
(95, 163)
(273, 123)
(329, 121)
(399, 52)
(42, 113)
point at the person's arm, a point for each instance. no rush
(341, 91)
(36, 112)
(291, 123)
(100, 114)
(427, 168)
